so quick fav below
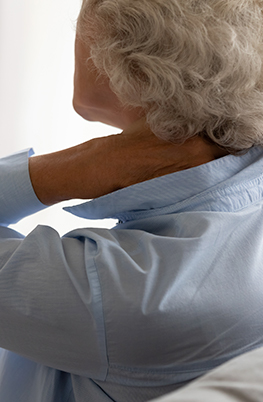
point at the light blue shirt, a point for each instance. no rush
(133, 312)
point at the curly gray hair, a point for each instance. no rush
(195, 67)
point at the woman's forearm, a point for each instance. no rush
(106, 164)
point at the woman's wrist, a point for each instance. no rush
(84, 171)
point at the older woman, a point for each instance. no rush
(175, 289)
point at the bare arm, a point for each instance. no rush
(103, 165)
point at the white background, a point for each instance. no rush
(36, 86)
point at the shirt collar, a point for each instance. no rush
(172, 189)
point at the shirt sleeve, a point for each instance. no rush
(50, 297)
(17, 197)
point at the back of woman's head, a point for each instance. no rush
(195, 67)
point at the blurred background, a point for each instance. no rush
(36, 87)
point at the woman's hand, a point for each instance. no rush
(92, 169)
(106, 164)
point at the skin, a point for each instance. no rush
(106, 164)
(93, 99)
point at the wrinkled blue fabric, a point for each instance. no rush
(133, 312)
